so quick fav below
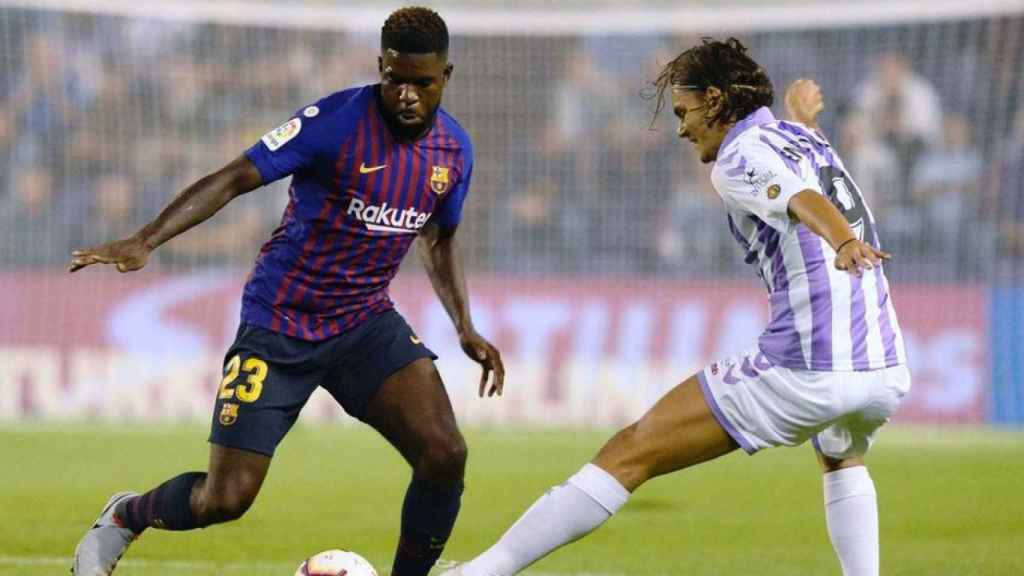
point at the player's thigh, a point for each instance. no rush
(411, 409)
(268, 377)
(385, 376)
(679, 431)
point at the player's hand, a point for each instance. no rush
(128, 254)
(804, 102)
(855, 256)
(479, 349)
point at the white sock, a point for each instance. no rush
(851, 511)
(564, 514)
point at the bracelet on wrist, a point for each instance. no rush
(845, 242)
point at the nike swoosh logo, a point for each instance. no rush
(415, 340)
(364, 170)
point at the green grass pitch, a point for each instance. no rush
(952, 503)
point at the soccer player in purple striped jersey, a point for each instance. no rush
(830, 366)
(373, 169)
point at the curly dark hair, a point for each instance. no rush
(415, 30)
(726, 66)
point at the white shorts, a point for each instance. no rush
(763, 405)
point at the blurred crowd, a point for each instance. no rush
(104, 119)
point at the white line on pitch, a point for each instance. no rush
(188, 565)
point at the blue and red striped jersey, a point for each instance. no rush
(357, 200)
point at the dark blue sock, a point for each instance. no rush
(166, 507)
(428, 516)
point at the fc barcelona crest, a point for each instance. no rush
(228, 414)
(439, 180)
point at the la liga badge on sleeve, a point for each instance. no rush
(282, 134)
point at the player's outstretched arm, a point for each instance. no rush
(190, 207)
(444, 267)
(804, 102)
(817, 213)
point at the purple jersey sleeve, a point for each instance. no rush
(450, 213)
(762, 181)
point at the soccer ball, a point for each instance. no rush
(336, 563)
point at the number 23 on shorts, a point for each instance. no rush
(250, 390)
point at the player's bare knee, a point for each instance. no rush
(623, 458)
(227, 506)
(833, 464)
(226, 500)
(444, 460)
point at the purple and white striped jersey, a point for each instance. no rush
(821, 318)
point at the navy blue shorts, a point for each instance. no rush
(268, 377)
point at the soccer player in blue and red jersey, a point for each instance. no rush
(373, 169)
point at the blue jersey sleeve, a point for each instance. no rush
(310, 138)
(450, 213)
